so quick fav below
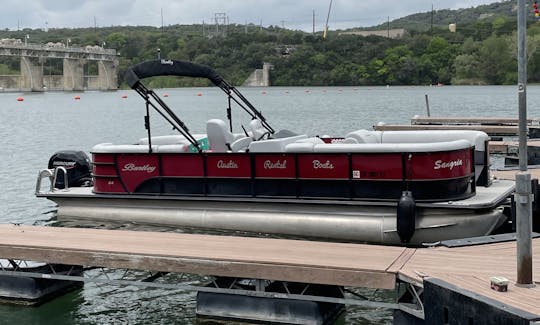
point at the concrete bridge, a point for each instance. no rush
(259, 77)
(34, 56)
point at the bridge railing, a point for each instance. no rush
(59, 48)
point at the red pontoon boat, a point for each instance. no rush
(383, 187)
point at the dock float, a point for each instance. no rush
(427, 272)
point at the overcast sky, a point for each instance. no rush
(294, 14)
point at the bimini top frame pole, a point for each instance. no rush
(162, 67)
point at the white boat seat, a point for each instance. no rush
(300, 147)
(393, 147)
(478, 138)
(164, 139)
(219, 136)
(349, 140)
(241, 144)
(314, 140)
(257, 129)
(172, 148)
(121, 148)
(274, 145)
(365, 136)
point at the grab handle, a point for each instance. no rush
(52, 175)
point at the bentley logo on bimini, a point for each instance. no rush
(319, 165)
(226, 165)
(134, 168)
(168, 62)
(275, 165)
(439, 164)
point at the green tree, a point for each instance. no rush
(496, 61)
(116, 40)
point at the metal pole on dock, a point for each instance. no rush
(427, 105)
(523, 195)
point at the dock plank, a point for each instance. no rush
(274, 259)
(506, 147)
(356, 265)
(489, 129)
(510, 174)
(470, 268)
(470, 120)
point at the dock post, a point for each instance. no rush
(523, 199)
(427, 105)
(523, 178)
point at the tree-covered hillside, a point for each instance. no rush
(482, 51)
(466, 16)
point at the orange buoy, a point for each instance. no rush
(165, 95)
(199, 94)
(20, 99)
(124, 96)
(77, 97)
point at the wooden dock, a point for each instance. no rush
(498, 130)
(510, 147)
(496, 126)
(471, 267)
(471, 120)
(343, 264)
(510, 174)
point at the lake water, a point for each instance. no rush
(33, 129)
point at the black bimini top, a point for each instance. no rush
(162, 67)
(171, 68)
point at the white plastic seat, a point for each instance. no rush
(274, 145)
(350, 140)
(164, 139)
(365, 136)
(241, 144)
(219, 136)
(257, 129)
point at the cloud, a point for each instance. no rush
(291, 14)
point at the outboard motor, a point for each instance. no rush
(77, 165)
(406, 217)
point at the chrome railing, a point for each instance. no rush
(52, 175)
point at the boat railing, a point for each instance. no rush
(52, 175)
(136, 73)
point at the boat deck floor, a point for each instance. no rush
(355, 265)
(486, 197)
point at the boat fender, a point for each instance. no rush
(406, 216)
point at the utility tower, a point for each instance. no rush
(222, 22)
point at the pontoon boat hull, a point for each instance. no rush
(365, 221)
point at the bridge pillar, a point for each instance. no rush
(108, 79)
(31, 75)
(266, 73)
(74, 74)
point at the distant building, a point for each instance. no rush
(391, 33)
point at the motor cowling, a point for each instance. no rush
(77, 165)
(406, 217)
